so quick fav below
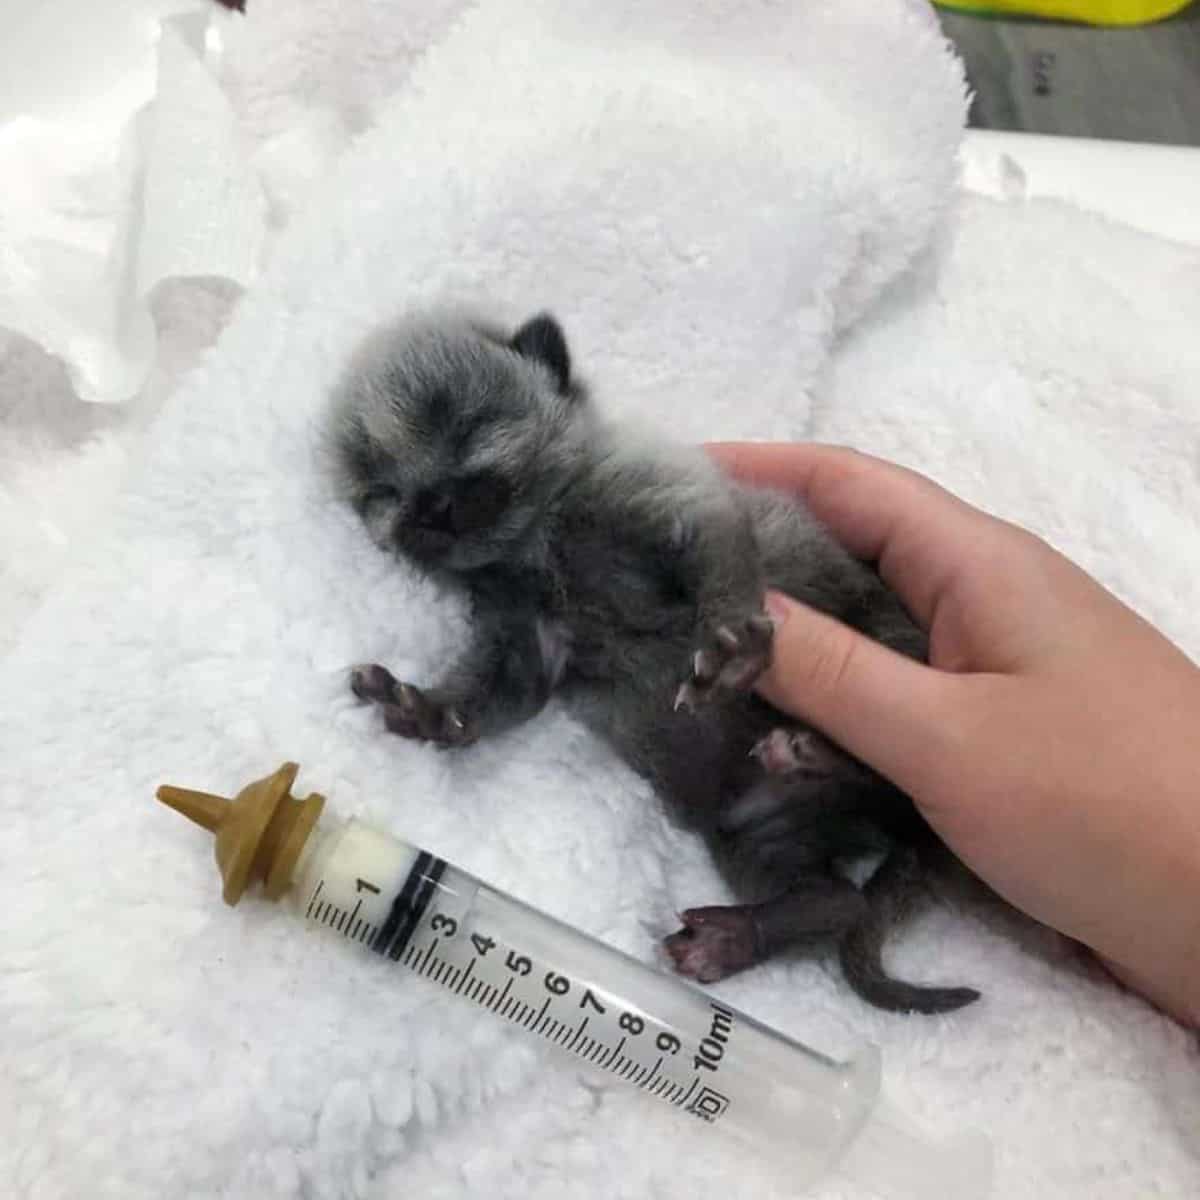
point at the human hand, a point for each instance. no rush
(1053, 741)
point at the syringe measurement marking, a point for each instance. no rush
(653, 1072)
(465, 976)
(616, 1051)
(503, 996)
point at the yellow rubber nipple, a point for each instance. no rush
(259, 834)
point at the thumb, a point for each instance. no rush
(884, 708)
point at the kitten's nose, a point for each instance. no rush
(432, 509)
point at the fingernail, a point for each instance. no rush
(779, 608)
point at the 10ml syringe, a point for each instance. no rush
(658, 1033)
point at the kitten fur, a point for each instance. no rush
(627, 576)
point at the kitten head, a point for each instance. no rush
(450, 437)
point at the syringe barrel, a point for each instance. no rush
(653, 1030)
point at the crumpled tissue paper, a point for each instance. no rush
(100, 207)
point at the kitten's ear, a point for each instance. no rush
(541, 339)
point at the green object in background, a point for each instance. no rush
(1087, 12)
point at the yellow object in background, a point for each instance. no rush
(1087, 12)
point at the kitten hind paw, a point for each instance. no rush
(784, 751)
(714, 943)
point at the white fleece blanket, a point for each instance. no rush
(704, 219)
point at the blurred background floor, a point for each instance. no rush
(1138, 84)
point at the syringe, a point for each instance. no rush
(664, 1036)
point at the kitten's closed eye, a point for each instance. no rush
(378, 493)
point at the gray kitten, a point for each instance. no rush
(628, 577)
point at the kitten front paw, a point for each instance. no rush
(730, 660)
(408, 711)
(714, 942)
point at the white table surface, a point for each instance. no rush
(1154, 188)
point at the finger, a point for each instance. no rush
(887, 710)
(860, 497)
(920, 536)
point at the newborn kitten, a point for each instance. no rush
(629, 578)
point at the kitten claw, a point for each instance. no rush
(727, 640)
(705, 667)
(731, 662)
